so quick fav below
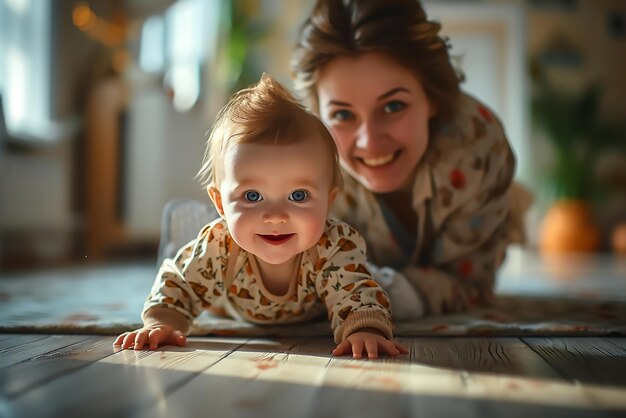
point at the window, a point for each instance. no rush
(25, 68)
(177, 45)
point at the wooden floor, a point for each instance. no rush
(83, 376)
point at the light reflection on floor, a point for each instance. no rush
(259, 363)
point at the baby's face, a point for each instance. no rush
(275, 198)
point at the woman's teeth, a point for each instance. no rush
(375, 162)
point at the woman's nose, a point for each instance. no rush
(368, 133)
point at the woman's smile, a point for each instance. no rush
(380, 161)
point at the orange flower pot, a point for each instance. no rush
(568, 226)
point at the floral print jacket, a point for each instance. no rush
(468, 211)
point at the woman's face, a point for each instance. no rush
(378, 113)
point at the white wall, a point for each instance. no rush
(490, 41)
(35, 191)
(165, 150)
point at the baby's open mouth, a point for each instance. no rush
(276, 239)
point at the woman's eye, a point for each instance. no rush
(299, 196)
(394, 106)
(252, 196)
(342, 115)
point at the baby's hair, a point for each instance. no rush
(264, 113)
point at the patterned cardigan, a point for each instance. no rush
(468, 212)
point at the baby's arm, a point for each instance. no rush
(358, 307)
(164, 322)
(182, 289)
(371, 341)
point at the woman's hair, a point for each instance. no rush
(264, 113)
(396, 28)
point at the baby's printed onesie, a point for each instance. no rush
(331, 277)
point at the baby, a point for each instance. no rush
(271, 170)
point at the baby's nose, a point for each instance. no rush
(275, 214)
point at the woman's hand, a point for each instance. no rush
(152, 337)
(370, 340)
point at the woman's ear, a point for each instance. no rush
(216, 198)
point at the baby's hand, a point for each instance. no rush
(372, 341)
(154, 336)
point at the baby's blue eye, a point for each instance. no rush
(394, 106)
(252, 196)
(343, 115)
(299, 195)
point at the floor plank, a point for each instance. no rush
(618, 341)
(533, 389)
(303, 380)
(236, 385)
(119, 385)
(24, 347)
(509, 356)
(12, 340)
(598, 361)
(18, 379)
(4, 337)
(474, 377)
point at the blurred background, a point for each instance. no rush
(105, 106)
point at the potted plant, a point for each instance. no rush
(570, 121)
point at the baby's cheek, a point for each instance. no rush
(315, 228)
(240, 228)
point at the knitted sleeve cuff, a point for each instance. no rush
(370, 318)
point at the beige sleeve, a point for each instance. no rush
(166, 316)
(184, 286)
(353, 299)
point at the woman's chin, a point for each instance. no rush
(380, 185)
(387, 180)
(380, 179)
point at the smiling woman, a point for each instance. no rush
(428, 168)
